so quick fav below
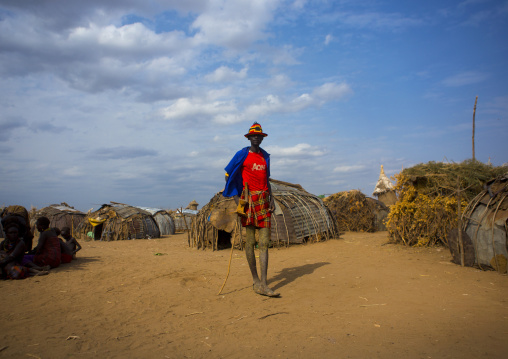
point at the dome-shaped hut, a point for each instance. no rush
(299, 217)
(163, 219)
(118, 221)
(484, 229)
(60, 216)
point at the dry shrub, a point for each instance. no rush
(418, 219)
(427, 205)
(352, 211)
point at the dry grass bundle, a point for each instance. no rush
(418, 219)
(352, 210)
(427, 205)
(440, 179)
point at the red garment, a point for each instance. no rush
(254, 172)
(66, 258)
(257, 210)
(50, 254)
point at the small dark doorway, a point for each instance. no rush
(224, 240)
(97, 232)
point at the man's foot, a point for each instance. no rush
(42, 272)
(46, 268)
(264, 290)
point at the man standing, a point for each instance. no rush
(247, 179)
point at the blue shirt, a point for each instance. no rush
(234, 184)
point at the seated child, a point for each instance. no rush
(71, 242)
(65, 252)
(12, 250)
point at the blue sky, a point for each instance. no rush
(145, 102)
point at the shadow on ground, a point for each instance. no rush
(288, 275)
(76, 264)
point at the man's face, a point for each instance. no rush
(255, 139)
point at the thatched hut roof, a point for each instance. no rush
(192, 205)
(118, 221)
(299, 217)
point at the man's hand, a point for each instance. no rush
(271, 209)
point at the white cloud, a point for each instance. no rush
(331, 91)
(378, 20)
(299, 150)
(465, 78)
(328, 39)
(320, 95)
(269, 104)
(196, 109)
(235, 24)
(226, 74)
(285, 55)
(280, 81)
(228, 111)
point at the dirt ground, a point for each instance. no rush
(353, 297)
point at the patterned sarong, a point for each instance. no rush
(257, 210)
(17, 272)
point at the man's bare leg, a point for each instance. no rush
(250, 243)
(36, 272)
(264, 241)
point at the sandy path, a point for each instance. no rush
(346, 298)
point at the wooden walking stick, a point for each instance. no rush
(230, 257)
(240, 211)
(474, 113)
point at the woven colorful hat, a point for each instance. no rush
(256, 129)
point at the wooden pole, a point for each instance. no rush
(474, 113)
(231, 255)
(186, 227)
(459, 223)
